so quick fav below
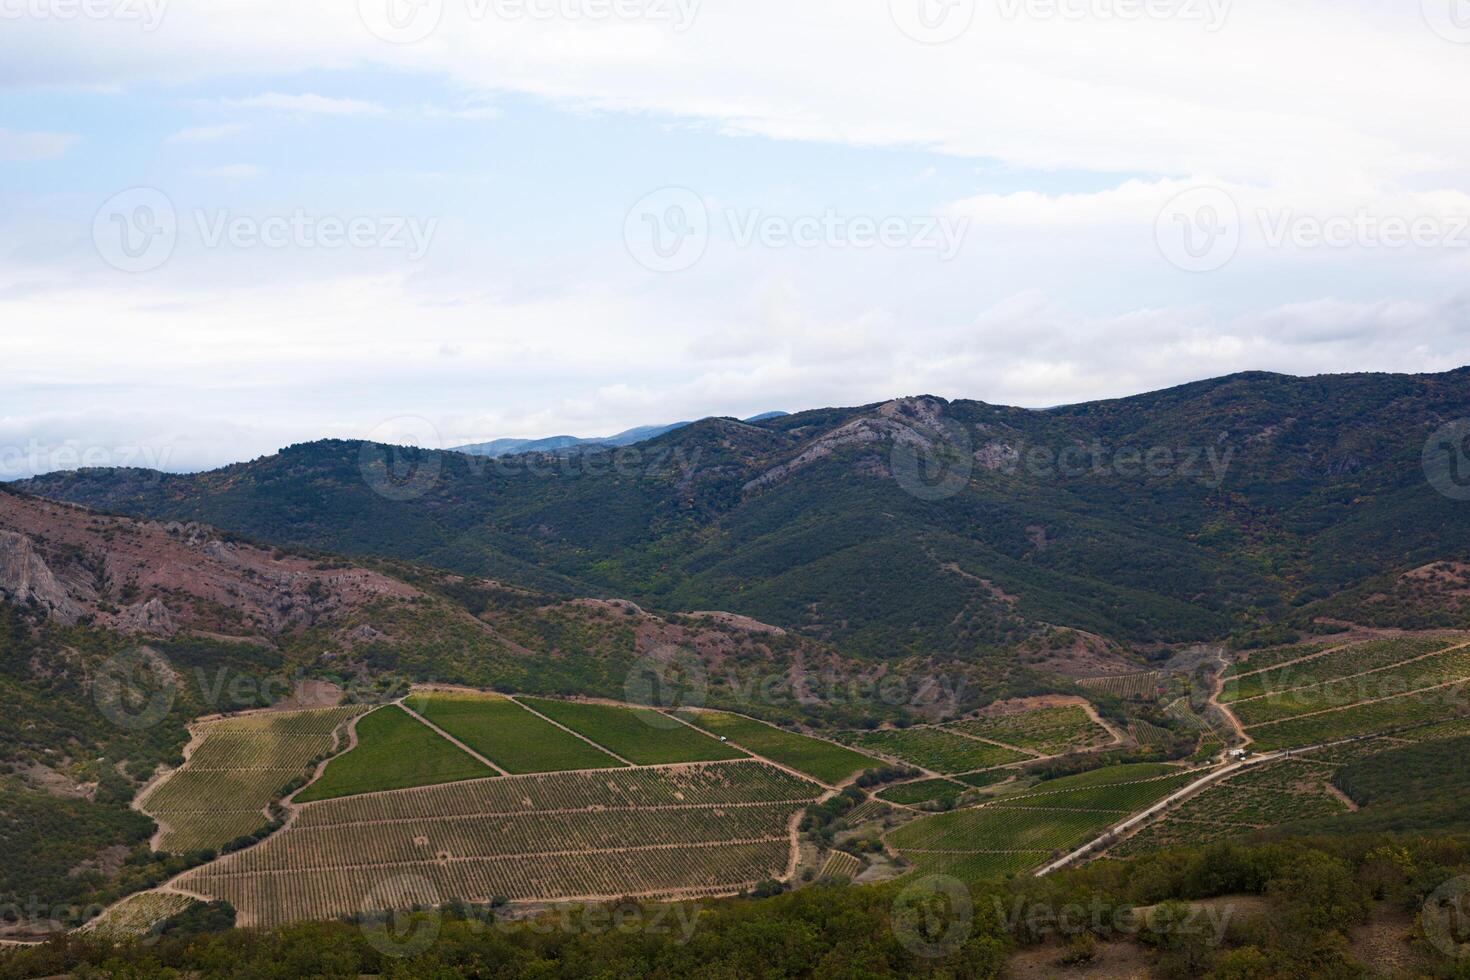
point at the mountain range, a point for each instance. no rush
(1240, 507)
(553, 444)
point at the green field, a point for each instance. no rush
(821, 760)
(1380, 716)
(1416, 675)
(1357, 659)
(1106, 776)
(394, 751)
(1261, 659)
(1023, 832)
(640, 735)
(923, 791)
(934, 749)
(509, 735)
(1049, 731)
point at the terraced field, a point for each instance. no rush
(1046, 731)
(923, 791)
(702, 828)
(1358, 689)
(841, 865)
(394, 751)
(935, 749)
(508, 735)
(1141, 685)
(829, 763)
(1025, 830)
(640, 735)
(137, 914)
(1357, 659)
(1274, 794)
(1261, 659)
(236, 768)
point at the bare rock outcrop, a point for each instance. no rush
(25, 577)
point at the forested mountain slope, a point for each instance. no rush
(918, 525)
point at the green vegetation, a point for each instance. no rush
(1307, 899)
(394, 751)
(239, 768)
(1022, 832)
(1049, 731)
(640, 735)
(509, 735)
(1231, 533)
(934, 749)
(821, 760)
(923, 791)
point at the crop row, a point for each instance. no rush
(270, 899)
(1049, 731)
(1358, 659)
(935, 749)
(731, 782)
(1379, 716)
(298, 849)
(1415, 676)
(137, 914)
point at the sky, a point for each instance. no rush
(227, 226)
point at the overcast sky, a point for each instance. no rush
(229, 225)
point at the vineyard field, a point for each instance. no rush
(394, 751)
(1414, 676)
(1259, 798)
(640, 735)
(923, 791)
(1140, 685)
(235, 770)
(508, 735)
(137, 914)
(814, 757)
(1349, 661)
(720, 827)
(1261, 659)
(1380, 716)
(1048, 731)
(935, 749)
(1022, 832)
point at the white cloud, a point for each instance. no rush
(1280, 89)
(20, 147)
